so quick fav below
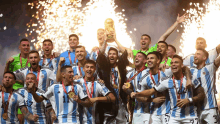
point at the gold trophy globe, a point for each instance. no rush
(110, 29)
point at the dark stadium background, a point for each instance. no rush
(152, 17)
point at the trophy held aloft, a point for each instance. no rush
(110, 30)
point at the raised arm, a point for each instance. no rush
(173, 27)
(217, 62)
(37, 98)
(188, 74)
(28, 115)
(58, 75)
(7, 66)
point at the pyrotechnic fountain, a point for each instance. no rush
(57, 19)
(204, 21)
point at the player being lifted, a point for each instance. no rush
(10, 102)
(182, 100)
(66, 96)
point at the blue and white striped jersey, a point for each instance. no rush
(52, 64)
(34, 107)
(99, 90)
(16, 101)
(72, 55)
(176, 112)
(147, 83)
(207, 77)
(46, 78)
(140, 107)
(76, 70)
(189, 60)
(66, 108)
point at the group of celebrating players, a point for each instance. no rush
(78, 87)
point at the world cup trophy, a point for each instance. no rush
(110, 29)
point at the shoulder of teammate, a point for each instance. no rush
(16, 56)
(22, 69)
(188, 56)
(130, 71)
(166, 78)
(64, 54)
(40, 91)
(145, 76)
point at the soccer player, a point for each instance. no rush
(160, 106)
(201, 44)
(19, 61)
(141, 114)
(162, 47)
(69, 55)
(96, 91)
(45, 77)
(11, 101)
(113, 72)
(48, 60)
(67, 97)
(77, 67)
(206, 74)
(182, 100)
(146, 39)
(171, 51)
(32, 105)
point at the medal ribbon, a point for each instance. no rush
(65, 88)
(153, 78)
(178, 94)
(38, 74)
(92, 88)
(80, 70)
(3, 102)
(136, 74)
(70, 58)
(21, 61)
(52, 56)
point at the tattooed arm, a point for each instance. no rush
(28, 115)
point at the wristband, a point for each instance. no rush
(190, 100)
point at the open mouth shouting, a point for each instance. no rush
(89, 73)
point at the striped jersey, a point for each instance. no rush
(140, 107)
(66, 108)
(16, 101)
(94, 55)
(72, 56)
(46, 78)
(147, 83)
(177, 112)
(34, 107)
(99, 90)
(77, 70)
(48, 63)
(189, 60)
(207, 77)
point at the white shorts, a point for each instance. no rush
(209, 116)
(192, 120)
(141, 118)
(160, 119)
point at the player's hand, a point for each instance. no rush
(31, 87)
(159, 99)
(35, 117)
(53, 118)
(133, 94)
(94, 49)
(189, 84)
(182, 18)
(76, 77)
(162, 67)
(182, 102)
(62, 60)
(76, 98)
(101, 81)
(56, 54)
(92, 100)
(10, 60)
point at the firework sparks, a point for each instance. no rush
(57, 19)
(203, 22)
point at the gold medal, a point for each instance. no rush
(71, 94)
(128, 85)
(5, 116)
(115, 86)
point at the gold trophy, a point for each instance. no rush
(110, 29)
